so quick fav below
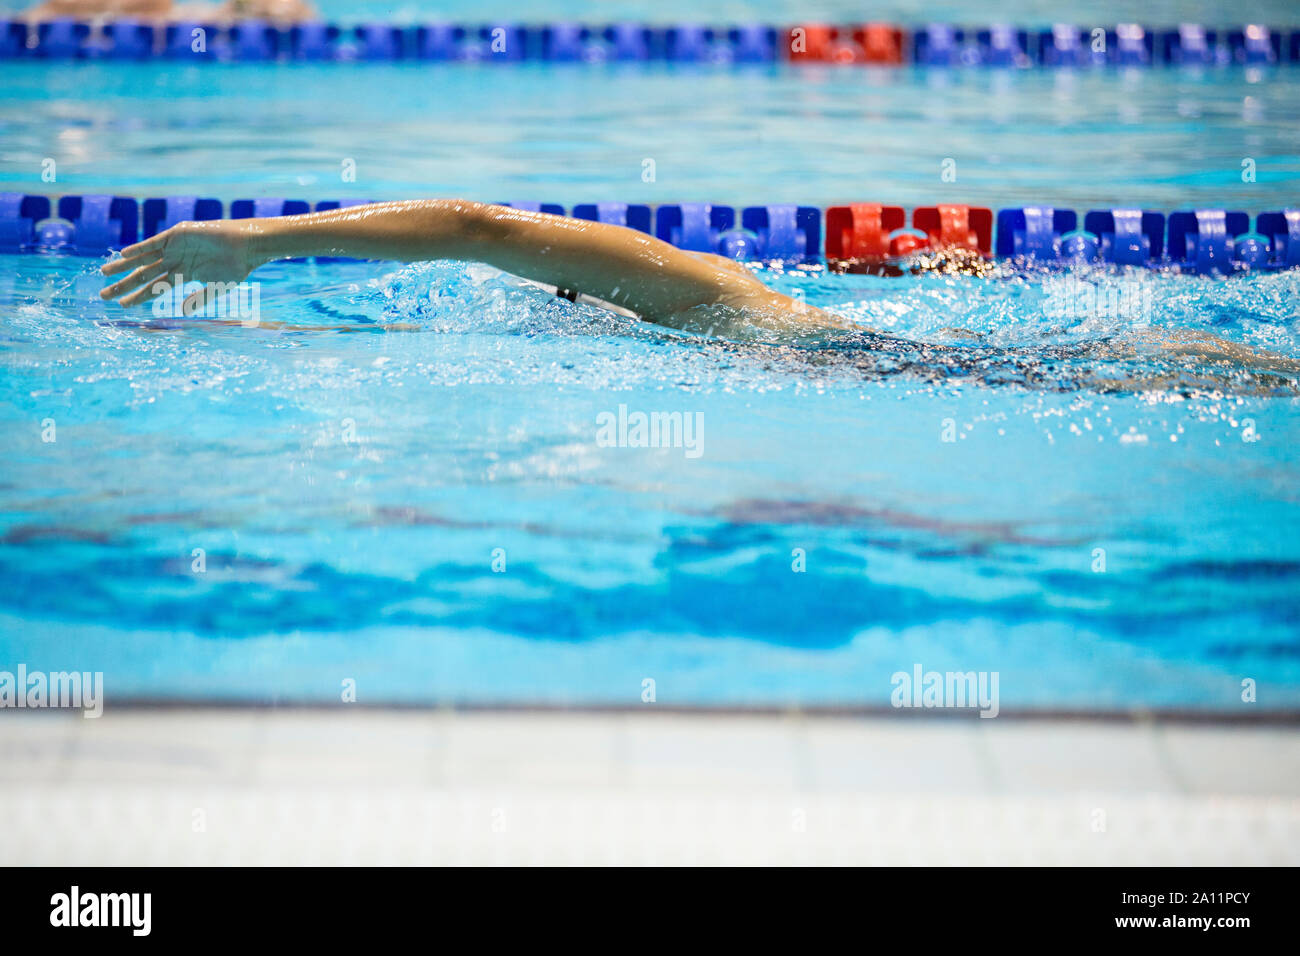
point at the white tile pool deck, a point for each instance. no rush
(305, 786)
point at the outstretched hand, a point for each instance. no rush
(214, 251)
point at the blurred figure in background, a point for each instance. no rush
(272, 11)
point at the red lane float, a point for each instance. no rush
(953, 226)
(860, 231)
(881, 43)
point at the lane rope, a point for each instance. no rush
(880, 44)
(1203, 241)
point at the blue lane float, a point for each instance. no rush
(1066, 45)
(1127, 237)
(1255, 45)
(1190, 45)
(696, 227)
(100, 223)
(784, 232)
(567, 43)
(630, 42)
(190, 41)
(313, 41)
(129, 40)
(264, 208)
(690, 43)
(19, 215)
(1033, 232)
(1282, 229)
(752, 44)
(253, 40)
(1201, 241)
(504, 41)
(941, 44)
(1133, 45)
(1003, 46)
(378, 41)
(161, 214)
(13, 39)
(62, 39)
(584, 43)
(632, 216)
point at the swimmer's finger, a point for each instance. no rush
(152, 244)
(127, 283)
(130, 256)
(113, 266)
(197, 300)
(158, 285)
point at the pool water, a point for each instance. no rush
(405, 485)
(1160, 138)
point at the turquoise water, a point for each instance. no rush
(1166, 138)
(347, 493)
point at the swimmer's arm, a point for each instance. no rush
(620, 266)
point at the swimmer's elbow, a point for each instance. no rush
(481, 229)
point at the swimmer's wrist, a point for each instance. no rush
(264, 242)
(285, 237)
